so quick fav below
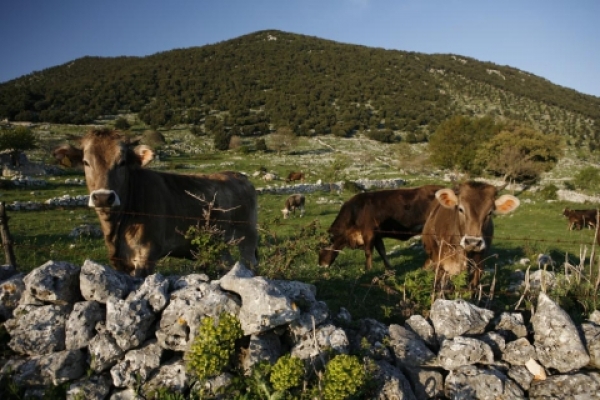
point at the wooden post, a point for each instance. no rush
(9, 254)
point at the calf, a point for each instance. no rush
(459, 229)
(295, 176)
(295, 201)
(144, 214)
(367, 218)
(580, 218)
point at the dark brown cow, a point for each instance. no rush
(367, 218)
(144, 213)
(579, 219)
(295, 201)
(459, 229)
(295, 176)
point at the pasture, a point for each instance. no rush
(288, 249)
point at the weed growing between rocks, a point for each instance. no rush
(213, 346)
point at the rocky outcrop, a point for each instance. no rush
(105, 334)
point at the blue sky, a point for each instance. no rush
(557, 40)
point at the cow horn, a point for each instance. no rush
(501, 187)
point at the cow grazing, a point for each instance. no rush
(144, 213)
(367, 218)
(295, 201)
(295, 176)
(578, 219)
(459, 229)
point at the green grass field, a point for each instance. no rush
(289, 249)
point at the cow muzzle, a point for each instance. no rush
(104, 198)
(472, 243)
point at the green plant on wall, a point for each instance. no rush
(213, 346)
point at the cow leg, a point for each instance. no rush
(380, 247)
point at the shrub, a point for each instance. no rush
(344, 376)
(213, 346)
(287, 373)
(549, 192)
(587, 178)
(261, 145)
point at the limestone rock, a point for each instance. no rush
(155, 290)
(96, 387)
(38, 330)
(427, 383)
(510, 325)
(170, 375)
(571, 386)
(557, 342)
(392, 384)
(129, 321)
(461, 351)
(419, 325)
(104, 352)
(11, 290)
(80, 326)
(264, 306)
(591, 333)
(99, 282)
(137, 365)
(518, 352)
(55, 282)
(470, 382)
(453, 318)
(187, 306)
(263, 347)
(408, 347)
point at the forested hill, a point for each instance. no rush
(270, 79)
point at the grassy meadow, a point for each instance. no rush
(289, 248)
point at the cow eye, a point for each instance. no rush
(85, 163)
(461, 209)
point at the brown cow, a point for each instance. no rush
(579, 219)
(367, 218)
(144, 213)
(295, 176)
(459, 229)
(295, 201)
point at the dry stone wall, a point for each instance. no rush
(106, 335)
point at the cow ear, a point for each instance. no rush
(506, 203)
(68, 156)
(447, 198)
(144, 154)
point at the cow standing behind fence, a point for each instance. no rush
(295, 201)
(459, 229)
(367, 218)
(144, 214)
(578, 219)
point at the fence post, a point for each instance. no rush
(9, 254)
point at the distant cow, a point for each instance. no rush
(295, 176)
(459, 229)
(367, 218)
(144, 213)
(269, 176)
(579, 219)
(295, 201)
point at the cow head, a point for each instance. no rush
(107, 158)
(474, 204)
(286, 213)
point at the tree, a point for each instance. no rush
(519, 152)
(221, 139)
(283, 139)
(455, 142)
(16, 141)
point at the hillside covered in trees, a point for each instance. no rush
(271, 79)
